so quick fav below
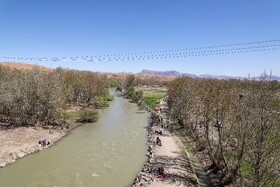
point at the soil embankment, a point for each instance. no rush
(18, 142)
(21, 141)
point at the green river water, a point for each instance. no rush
(108, 153)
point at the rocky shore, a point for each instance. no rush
(146, 175)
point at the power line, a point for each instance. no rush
(235, 48)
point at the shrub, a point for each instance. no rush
(88, 116)
(104, 98)
(64, 116)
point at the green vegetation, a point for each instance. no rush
(72, 114)
(137, 96)
(275, 103)
(70, 117)
(88, 116)
(104, 98)
(114, 83)
(247, 170)
(64, 116)
(129, 86)
(152, 98)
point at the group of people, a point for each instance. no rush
(160, 171)
(158, 132)
(43, 143)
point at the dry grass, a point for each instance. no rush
(24, 66)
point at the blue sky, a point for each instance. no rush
(57, 28)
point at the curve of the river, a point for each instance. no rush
(109, 152)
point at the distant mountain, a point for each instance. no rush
(166, 73)
(273, 77)
(222, 77)
(162, 73)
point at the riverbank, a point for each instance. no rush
(19, 142)
(178, 169)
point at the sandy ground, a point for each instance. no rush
(16, 143)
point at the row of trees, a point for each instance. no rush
(31, 96)
(235, 123)
(128, 87)
(120, 79)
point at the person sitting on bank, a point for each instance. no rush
(161, 171)
(158, 141)
(160, 174)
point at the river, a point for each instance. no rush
(108, 153)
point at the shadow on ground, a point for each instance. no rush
(182, 166)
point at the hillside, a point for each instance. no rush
(24, 66)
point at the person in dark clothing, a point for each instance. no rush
(158, 141)
(160, 170)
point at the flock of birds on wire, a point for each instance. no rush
(245, 47)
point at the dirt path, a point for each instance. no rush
(177, 167)
(178, 170)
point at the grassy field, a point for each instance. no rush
(151, 98)
(151, 95)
